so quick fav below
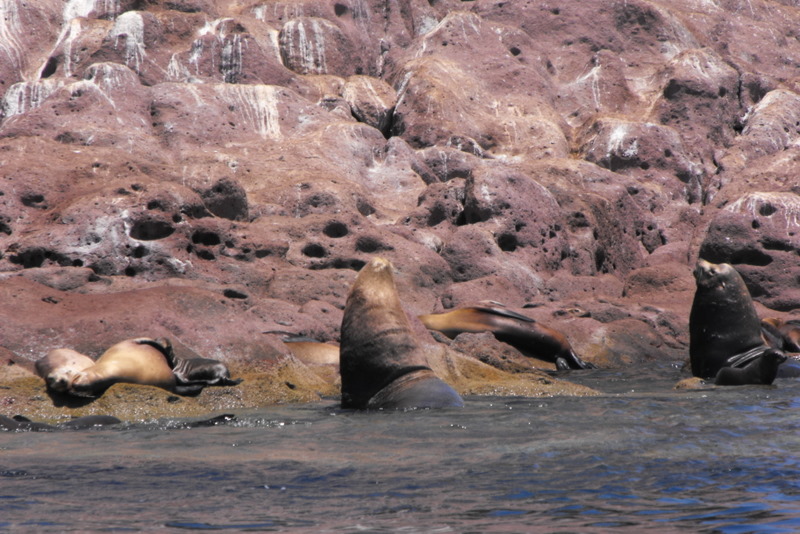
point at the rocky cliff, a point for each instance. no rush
(209, 170)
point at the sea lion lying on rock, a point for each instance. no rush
(144, 361)
(133, 361)
(528, 336)
(725, 331)
(382, 364)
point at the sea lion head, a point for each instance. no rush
(715, 276)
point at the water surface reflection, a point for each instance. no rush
(640, 457)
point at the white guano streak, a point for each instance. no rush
(25, 96)
(257, 104)
(131, 26)
(10, 45)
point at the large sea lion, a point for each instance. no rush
(724, 329)
(528, 336)
(60, 366)
(134, 361)
(382, 364)
(194, 374)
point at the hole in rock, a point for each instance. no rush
(204, 237)
(130, 271)
(335, 229)
(314, 250)
(507, 242)
(205, 254)
(32, 200)
(50, 67)
(149, 230)
(767, 209)
(368, 245)
(233, 294)
(340, 9)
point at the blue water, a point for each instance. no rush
(641, 457)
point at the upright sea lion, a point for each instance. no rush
(135, 361)
(528, 336)
(382, 364)
(60, 366)
(724, 329)
(194, 374)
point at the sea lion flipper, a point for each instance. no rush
(505, 313)
(578, 363)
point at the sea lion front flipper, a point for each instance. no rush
(419, 389)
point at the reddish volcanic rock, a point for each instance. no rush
(208, 171)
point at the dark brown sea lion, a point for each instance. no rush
(762, 370)
(134, 361)
(382, 364)
(60, 366)
(724, 329)
(528, 336)
(194, 374)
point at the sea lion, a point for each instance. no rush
(60, 366)
(780, 334)
(724, 329)
(785, 336)
(194, 374)
(382, 365)
(135, 361)
(762, 370)
(528, 336)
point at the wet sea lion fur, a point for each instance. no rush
(382, 364)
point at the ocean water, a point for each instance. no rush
(641, 457)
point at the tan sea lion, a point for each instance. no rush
(134, 361)
(724, 329)
(528, 336)
(382, 364)
(314, 352)
(60, 366)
